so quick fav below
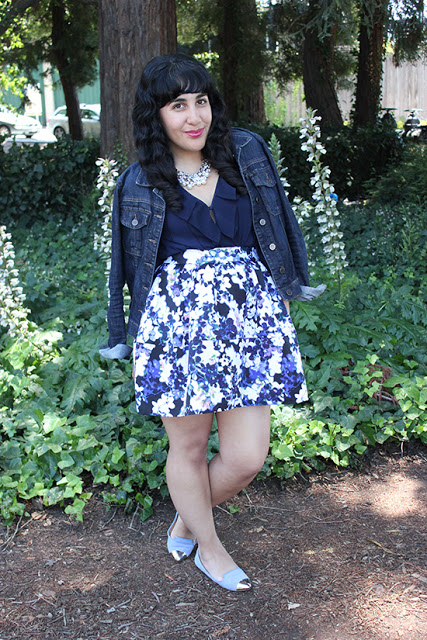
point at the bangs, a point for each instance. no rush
(173, 81)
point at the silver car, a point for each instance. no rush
(58, 123)
(13, 124)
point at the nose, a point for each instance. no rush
(193, 116)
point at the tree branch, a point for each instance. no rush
(17, 8)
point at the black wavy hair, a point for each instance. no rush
(164, 79)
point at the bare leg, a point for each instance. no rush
(244, 436)
(244, 440)
(188, 482)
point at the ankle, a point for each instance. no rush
(211, 549)
(181, 530)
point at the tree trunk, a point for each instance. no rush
(370, 64)
(60, 60)
(318, 72)
(131, 33)
(255, 105)
(230, 57)
(241, 50)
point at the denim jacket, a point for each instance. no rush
(137, 222)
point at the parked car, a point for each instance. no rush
(14, 124)
(58, 123)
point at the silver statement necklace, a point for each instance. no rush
(190, 180)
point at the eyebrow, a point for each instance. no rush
(199, 95)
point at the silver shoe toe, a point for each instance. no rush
(244, 585)
(179, 556)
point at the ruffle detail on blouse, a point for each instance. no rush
(224, 207)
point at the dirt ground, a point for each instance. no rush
(334, 556)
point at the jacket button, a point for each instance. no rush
(272, 247)
(262, 222)
(134, 222)
(289, 292)
(282, 270)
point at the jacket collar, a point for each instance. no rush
(141, 179)
(241, 137)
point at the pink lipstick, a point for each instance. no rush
(195, 134)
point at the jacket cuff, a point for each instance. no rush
(119, 352)
(309, 293)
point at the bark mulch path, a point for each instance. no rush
(334, 556)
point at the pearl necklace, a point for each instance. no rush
(190, 180)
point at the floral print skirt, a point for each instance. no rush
(215, 335)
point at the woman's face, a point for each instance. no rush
(186, 121)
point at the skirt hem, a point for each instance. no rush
(214, 411)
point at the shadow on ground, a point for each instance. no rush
(337, 556)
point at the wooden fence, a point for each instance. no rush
(404, 87)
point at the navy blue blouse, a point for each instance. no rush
(226, 223)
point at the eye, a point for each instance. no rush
(202, 101)
(178, 106)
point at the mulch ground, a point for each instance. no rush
(333, 556)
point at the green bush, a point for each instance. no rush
(41, 183)
(387, 241)
(355, 157)
(364, 354)
(381, 241)
(404, 182)
(367, 375)
(67, 417)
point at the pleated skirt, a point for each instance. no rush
(215, 335)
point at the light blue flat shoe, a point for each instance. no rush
(234, 580)
(179, 548)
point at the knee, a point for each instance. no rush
(254, 462)
(247, 462)
(188, 439)
(193, 451)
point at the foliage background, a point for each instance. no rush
(68, 419)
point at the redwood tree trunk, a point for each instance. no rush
(241, 60)
(256, 105)
(318, 72)
(230, 57)
(131, 33)
(370, 65)
(60, 60)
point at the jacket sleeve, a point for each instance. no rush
(117, 347)
(294, 235)
(293, 231)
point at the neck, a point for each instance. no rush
(190, 162)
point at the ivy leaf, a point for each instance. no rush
(282, 451)
(75, 392)
(117, 455)
(51, 421)
(66, 461)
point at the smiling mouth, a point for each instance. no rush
(195, 133)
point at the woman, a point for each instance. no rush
(210, 249)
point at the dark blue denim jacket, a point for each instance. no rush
(138, 215)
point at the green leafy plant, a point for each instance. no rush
(403, 182)
(354, 156)
(41, 183)
(68, 422)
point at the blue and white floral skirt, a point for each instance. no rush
(215, 335)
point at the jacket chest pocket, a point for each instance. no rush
(133, 220)
(267, 189)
